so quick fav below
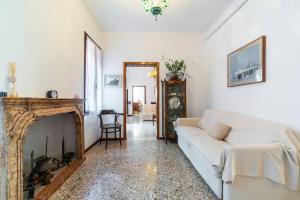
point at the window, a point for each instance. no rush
(92, 76)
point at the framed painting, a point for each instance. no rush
(247, 65)
(112, 80)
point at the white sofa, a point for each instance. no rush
(202, 150)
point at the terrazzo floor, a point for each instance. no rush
(140, 169)
(138, 129)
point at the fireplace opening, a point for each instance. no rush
(49, 148)
(18, 131)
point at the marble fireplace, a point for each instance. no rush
(16, 116)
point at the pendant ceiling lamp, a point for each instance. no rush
(155, 7)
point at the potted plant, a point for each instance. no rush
(176, 69)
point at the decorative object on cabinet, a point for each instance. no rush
(173, 105)
(247, 65)
(176, 69)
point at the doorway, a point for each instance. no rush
(139, 101)
(139, 98)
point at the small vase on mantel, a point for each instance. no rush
(12, 91)
(12, 81)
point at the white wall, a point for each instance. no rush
(46, 39)
(138, 76)
(120, 47)
(277, 99)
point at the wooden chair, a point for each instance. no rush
(110, 128)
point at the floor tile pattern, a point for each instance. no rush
(139, 130)
(140, 169)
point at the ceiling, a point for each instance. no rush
(180, 16)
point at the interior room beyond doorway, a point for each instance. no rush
(141, 100)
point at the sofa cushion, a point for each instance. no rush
(220, 131)
(208, 147)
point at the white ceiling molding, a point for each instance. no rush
(224, 17)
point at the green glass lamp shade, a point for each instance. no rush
(155, 7)
(156, 11)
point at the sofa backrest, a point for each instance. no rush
(149, 108)
(245, 129)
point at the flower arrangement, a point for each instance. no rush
(176, 69)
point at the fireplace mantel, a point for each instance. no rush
(16, 116)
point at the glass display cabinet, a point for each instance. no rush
(173, 106)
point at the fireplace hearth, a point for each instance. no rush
(16, 116)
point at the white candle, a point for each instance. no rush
(9, 69)
(12, 69)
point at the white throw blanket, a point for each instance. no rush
(279, 161)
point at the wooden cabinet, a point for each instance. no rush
(173, 105)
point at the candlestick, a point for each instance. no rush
(12, 69)
(12, 80)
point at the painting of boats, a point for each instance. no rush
(111, 80)
(247, 64)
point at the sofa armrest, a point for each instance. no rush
(274, 161)
(194, 122)
(245, 153)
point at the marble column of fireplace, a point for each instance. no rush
(16, 116)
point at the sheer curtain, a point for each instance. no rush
(93, 73)
(99, 79)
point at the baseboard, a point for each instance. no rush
(91, 146)
(112, 139)
(98, 141)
